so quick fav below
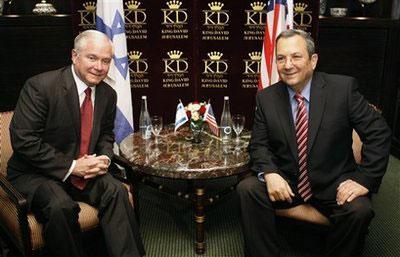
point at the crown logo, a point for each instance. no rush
(134, 55)
(215, 56)
(258, 6)
(300, 7)
(132, 5)
(174, 4)
(174, 54)
(215, 6)
(255, 56)
(90, 6)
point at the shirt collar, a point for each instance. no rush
(305, 92)
(80, 85)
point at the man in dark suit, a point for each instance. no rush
(301, 151)
(62, 136)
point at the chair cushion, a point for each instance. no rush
(357, 147)
(304, 212)
(87, 219)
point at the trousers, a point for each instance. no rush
(346, 238)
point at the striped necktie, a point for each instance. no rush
(303, 186)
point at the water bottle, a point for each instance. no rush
(226, 122)
(144, 120)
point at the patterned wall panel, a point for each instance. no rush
(185, 49)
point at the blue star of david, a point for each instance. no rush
(117, 27)
(122, 65)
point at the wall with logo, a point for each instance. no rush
(195, 50)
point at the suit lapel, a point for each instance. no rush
(72, 100)
(317, 107)
(286, 118)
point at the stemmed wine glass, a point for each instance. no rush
(156, 126)
(238, 122)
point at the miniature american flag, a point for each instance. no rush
(209, 117)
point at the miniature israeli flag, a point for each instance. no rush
(180, 117)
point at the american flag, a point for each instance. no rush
(210, 119)
(279, 18)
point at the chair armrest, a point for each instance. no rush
(131, 178)
(133, 173)
(13, 194)
(19, 207)
(121, 161)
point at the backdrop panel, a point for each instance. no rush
(195, 50)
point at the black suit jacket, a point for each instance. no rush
(336, 108)
(45, 129)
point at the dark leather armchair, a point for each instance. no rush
(18, 226)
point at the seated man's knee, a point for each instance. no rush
(247, 185)
(114, 187)
(360, 209)
(67, 208)
(51, 201)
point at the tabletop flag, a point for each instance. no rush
(181, 116)
(210, 119)
(110, 20)
(279, 18)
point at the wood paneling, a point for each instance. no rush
(367, 49)
(30, 45)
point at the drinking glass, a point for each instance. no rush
(238, 122)
(156, 126)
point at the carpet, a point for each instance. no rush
(168, 229)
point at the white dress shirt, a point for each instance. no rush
(81, 87)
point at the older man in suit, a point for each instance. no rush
(62, 136)
(301, 151)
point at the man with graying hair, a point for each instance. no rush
(62, 136)
(301, 152)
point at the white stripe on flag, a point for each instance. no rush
(110, 20)
(279, 18)
(180, 116)
(210, 119)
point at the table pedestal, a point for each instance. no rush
(199, 218)
(174, 157)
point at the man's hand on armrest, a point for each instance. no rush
(278, 188)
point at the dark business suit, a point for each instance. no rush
(336, 108)
(45, 135)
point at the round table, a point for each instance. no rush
(174, 156)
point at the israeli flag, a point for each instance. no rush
(110, 20)
(180, 117)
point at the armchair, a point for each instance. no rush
(18, 226)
